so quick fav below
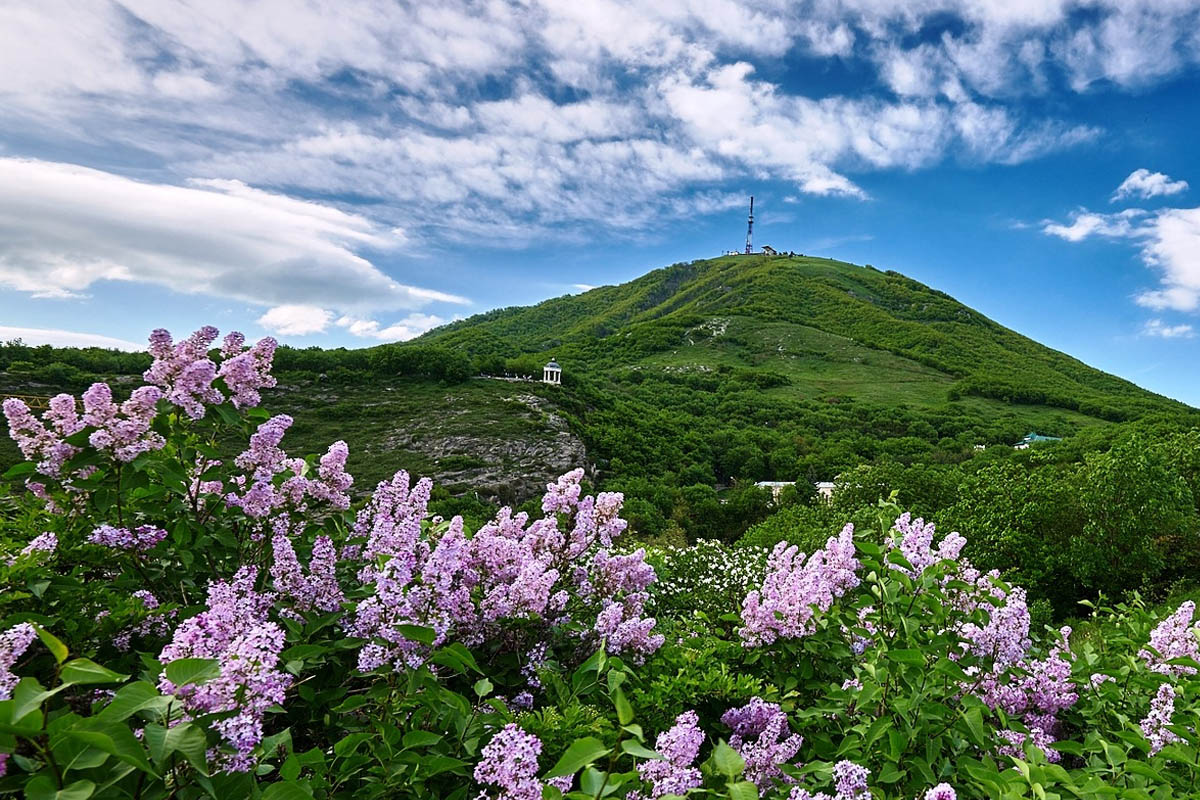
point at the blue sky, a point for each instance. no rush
(359, 172)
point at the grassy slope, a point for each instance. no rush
(833, 328)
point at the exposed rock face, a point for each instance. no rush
(500, 467)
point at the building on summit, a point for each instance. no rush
(552, 373)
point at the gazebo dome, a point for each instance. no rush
(553, 365)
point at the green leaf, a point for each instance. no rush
(184, 671)
(53, 643)
(17, 470)
(483, 687)
(727, 760)
(639, 750)
(418, 738)
(131, 699)
(287, 790)
(743, 790)
(418, 633)
(624, 710)
(115, 739)
(83, 671)
(185, 738)
(974, 718)
(581, 753)
(912, 658)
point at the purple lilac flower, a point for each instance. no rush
(678, 746)
(1174, 637)
(235, 631)
(124, 431)
(1098, 679)
(246, 373)
(943, 791)
(796, 588)
(13, 644)
(916, 545)
(42, 543)
(184, 371)
(508, 768)
(759, 730)
(850, 780)
(1154, 726)
(42, 445)
(319, 588)
(139, 540)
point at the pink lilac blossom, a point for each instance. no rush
(124, 431)
(184, 371)
(1154, 726)
(316, 590)
(512, 570)
(4, 764)
(235, 631)
(850, 781)
(1174, 637)
(140, 540)
(796, 588)
(943, 791)
(760, 737)
(13, 644)
(247, 373)
(44, 446)
(675, 773)
(916, 545)
(42, 543)
(508, 767)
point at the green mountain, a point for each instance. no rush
(834, 330)
(682, 388)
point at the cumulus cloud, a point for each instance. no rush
(1144, 184)
(64, 227)
(407, 328)
(62, 338)
(1170, 245)
(1156, 327)
(296, 320)
(1089, 223)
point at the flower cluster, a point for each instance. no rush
(319, 588)
(235, 631)
(186, 373)
(509, 766)
(42, 543)
(124, 430)
(139, 540)
(850, 783)
(512, 569)
(13, 644)
(274, 483)
(1174, 637)
(795, 588)
(915, 543)
(1154, 725)
(675, 773)
(42, 441)
(762, 737)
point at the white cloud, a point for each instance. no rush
(1169, 241)
(61, 338)
(296, 320)
(518, 120)
(1156, 327)
(1088, 223)
(65, 227)
(1144, 184)
(407, 328)
(583, 287)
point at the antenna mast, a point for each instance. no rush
(750, 227)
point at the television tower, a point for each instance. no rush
(750, 227)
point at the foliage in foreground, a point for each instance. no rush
(174, 626)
